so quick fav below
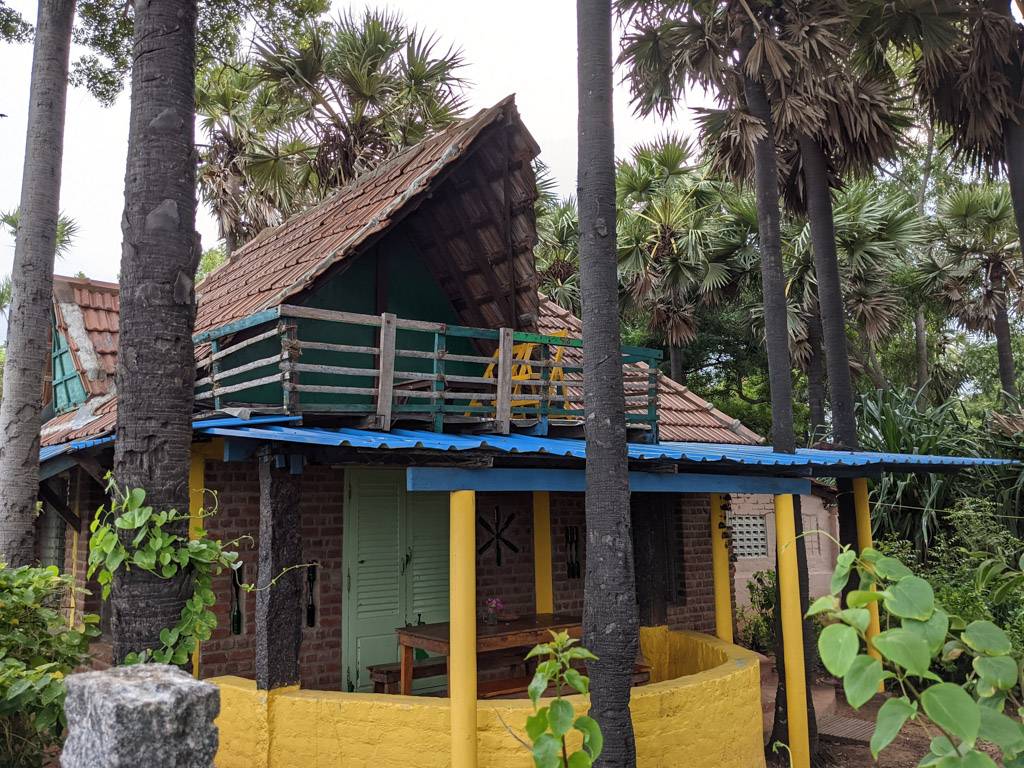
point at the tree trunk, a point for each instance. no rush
(1007, 369)
(28, 331)
(830, 293)
(921, 348)
(773, 280)
(675, 364)
(610, 623)
(920, 324)
(815, 382)
(156, 366)
(773, 286)
(1013, 149)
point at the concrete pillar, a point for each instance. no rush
(148, 714)
(543, 586)
(720, 571)
(462, 662)
(792, 632)
(278, 606)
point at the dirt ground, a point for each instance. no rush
(905, 752)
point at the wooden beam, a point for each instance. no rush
(386, 371)
(573, 480)
(60, 506)
(503, 407)
(278, 604)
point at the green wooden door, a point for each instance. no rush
(396, 568)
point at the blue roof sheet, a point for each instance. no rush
(805, 459)
(48, 452)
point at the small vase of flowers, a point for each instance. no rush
(493, 606)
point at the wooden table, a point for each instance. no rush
(525, 631)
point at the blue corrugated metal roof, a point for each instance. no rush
(53, 451)
(805, 459)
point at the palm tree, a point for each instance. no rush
(67, 229)
(976, 271)
(610, 613)
(557, 252)
(32, 282)
(314, 109)
(160, 254)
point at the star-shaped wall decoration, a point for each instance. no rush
(497, 531)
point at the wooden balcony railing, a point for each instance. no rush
(386, 368)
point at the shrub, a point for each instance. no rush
(37, 651)
(920, 634)
(756, 624)
(972, 537)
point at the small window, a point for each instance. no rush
(749, 536)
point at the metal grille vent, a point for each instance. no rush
(749, 536)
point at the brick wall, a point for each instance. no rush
(696, 610)
(322, 509)
(237, 487)
(512, 581)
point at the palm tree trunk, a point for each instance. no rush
(921, 348)
(1004, 349)
(830, 293)
(776, 323)
(28, 332)
(773, 280)
(675, 364)
(920, 324)
(156, 367)
(610, 621)
(815, 381)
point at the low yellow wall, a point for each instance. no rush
(703, 709)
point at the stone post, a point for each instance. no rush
(149, 715)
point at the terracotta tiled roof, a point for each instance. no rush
(97, 416)
(87, 313)
(682, 415)
(285, 260)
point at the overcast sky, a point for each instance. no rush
(530, 51)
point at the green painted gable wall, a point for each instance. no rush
(412, 293)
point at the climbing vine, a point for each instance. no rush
(129, 534)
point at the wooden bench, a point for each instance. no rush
(387, 677)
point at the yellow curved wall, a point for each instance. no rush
(702, 709)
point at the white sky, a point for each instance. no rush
(530, 52)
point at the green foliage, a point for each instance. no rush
(911, 506)
(132, 535)
(13, 28)
(756, 624)
(210, 260)
(37, 650)
(105, 28)
(919, 636)
(548, 726)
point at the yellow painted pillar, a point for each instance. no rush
(720, 569)
(792, 632)
(542, 579)
(863, 510)
(196, 486)
(462, 662)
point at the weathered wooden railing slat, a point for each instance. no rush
(343, 362)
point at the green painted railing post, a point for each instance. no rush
(438, 385)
